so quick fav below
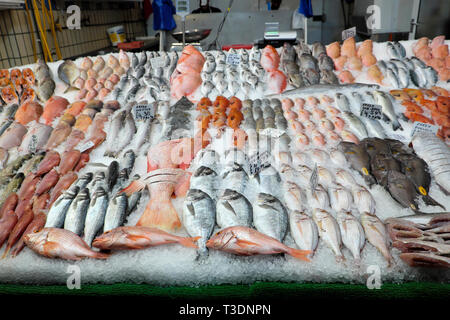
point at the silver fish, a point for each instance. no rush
(57, 213)
(352, 233)
(270, 216)
(204, 179)
(84, 180)
(206, 88)
(387, 109)
(115, 127)
(116, 212)
(303, 230)
(376, 234)
(133, 200)
(235, 178)
(199, 218)
(374, 128)
(233, 209)
(342, 102)
(364, 201)
(355, 124)
(341, 198)
(328, 231)
(126, 134)
(294, 197)
(76, 215)
(95, 215)
(392, 77)
(319, 198)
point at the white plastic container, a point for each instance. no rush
(116, 35)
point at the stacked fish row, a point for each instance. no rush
(222, 78)
(19, 86)
(148, 77)
(94, 203)
(435, 54)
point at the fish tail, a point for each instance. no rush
(189, 242)
(396, 125)
(99, 255)
(8, 247)
(161, 214)
(430, 201)
(134, 186)
(299, 254)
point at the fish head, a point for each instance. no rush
(108, 239)
(220, 240)
(36, 240)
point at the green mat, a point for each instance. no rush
(262, 290)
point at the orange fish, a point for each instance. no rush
(234, 118)
(339, 62)
(354, 63)
(162, 184)
(416, 94)
(4, 73)
(58, 135)
(346, 77)
(69, 160)
(40, 203)
(443, 105)
(412, 107)
(368, 59)
(349, 47)
(129, 237)
(429, 104)
(15, 74)
(374, 74)
(270, 59)
(61, 243)
(47, 182)
(440, 119)
(50, 161)
(53, 108)
(277, 81)
(365, 48)
(84, 159)
(36, 225)
(7, 223)
(185, 85)
(247, 242)
(417, 117)
(76, 108)
(400, 95)
(190, 61)
(19, 228)
(334, 50)
(63, 184)
(75, 137)
(9, 204)
(171, 154)
(83, 122)
(204, 104)
(27, 112)
(28, 95)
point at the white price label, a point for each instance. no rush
(348, 33)
(371, 111)
(144, 112)
(234, 59)
(258, 162)
(85, 146)
(424, 127)
(399, 137)
(314, 179)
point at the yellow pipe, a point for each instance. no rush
(49, 17)
(47, 53)
(30, 24)
(52, 25)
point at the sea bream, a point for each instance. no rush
(376, 234)
(329, 231)
(352, 233)
(199, 218)
(270, 216)
(304, 231)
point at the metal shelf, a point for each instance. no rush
(11, 4)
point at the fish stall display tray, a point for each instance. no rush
(182, 169)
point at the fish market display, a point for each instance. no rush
(335, 156)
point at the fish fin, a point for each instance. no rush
(183, 185)
(50, 247)
(430, 201)
(244, 243)
(299, 254)
(189, 242)
(135, 186)
(99, 255)
(161, 214)
(184, 166)
(396, 125)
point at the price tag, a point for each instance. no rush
(157, 62)
(144, 112)
(314, 179)
(33, 143)
(348, 33)
(85, 146)
(424, 127)
(234, 59)
(371, 111)
(182, 8)
(258, 162)
(399, 137)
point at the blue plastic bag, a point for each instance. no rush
(163, 11)
(305, 8)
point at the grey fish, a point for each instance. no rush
(204, 179)
(392, 51)
(402, 189)
(270, 216)
(358, 158)
(373, 126)
(355, 124)
(128, 159)
(302, 48)
(328, 77)
(57, 213)
(76, 214)
(84, 180)
(206, 88)
(68, 72)
(318, 49)
(400, 49)
(131, 94)
(392, 77)
(115, 127)
(269, 180)
(418, 77)
(382, 66)
(112, 173)
(95, 215)
(403, 78)
(311, 76)
(126, 134)
(387, 109)
(381, 164)
(233, 209)
(417, 62)
(199, 218)
(342, 102)
(307, 61)
(134, 60)
(116, 212)
(10, 170)
(374, 146)
(431, 75)
(45, 89)
(325, 62)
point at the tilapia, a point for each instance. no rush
(199, 218)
